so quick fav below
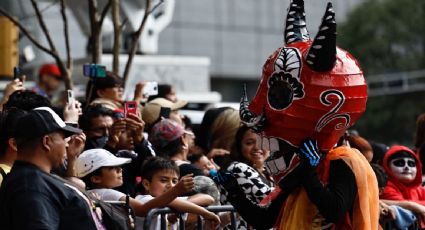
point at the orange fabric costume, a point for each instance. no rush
(300, 213)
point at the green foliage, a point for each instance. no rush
(388, 36)
(391, 119)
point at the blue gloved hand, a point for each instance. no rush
(221, 176)
(226, 179)
(309, 152)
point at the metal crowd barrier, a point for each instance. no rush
(163, 211)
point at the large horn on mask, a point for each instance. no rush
(322, 54)
(251, 120)
(295, 28)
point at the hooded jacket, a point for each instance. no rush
(395, 190)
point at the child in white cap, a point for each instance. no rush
(101, 171)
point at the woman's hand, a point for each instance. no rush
(72, 111)
(137, 125)
(75, 147)
(138, 92)
(13, 86)
(115, 132)
(386, 211)
(211, 220)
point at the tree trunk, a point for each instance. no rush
(135, 40)
(117, 35)
(95, 39)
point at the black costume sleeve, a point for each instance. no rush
(259, 217)
(188, 169)
(335, 199)
(144, 149)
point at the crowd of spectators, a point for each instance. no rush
(52, 156)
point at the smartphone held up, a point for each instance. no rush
(130, 107)
(17, 73)
(94, 70)
(70, 97)
(150, 89)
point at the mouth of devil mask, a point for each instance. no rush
(282, 159)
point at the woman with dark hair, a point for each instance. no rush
(246, 164)
(246, 151)
(217, 131)
(108, 91)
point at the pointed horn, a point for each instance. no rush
(322, 54)
(295, 28)
(249, 118)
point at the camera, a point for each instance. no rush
(70, 96)
(150, 89)
(94, 70)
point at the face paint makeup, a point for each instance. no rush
(404, 169)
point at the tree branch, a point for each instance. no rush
(68, 78)
(66, 32)
(103, 14)
(156, 6)
(26, 32)
(95, 31)
(117, 35)
(43, 26)
(63, 69)
(135, 40)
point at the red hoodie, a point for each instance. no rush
(396, 190)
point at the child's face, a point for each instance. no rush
(161, 181)
(205, 164)
(110, 177)
(404, 169)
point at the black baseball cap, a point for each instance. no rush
(111, 80)
(39, 122)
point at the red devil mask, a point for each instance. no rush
(308, 89)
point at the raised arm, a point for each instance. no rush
(185, 185)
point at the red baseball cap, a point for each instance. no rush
(51, 69)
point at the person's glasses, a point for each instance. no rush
(404, 162)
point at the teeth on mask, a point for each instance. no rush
(280, 164)
(265, 145)
(258, 142)
(274, 145)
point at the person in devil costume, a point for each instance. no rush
(310, 93)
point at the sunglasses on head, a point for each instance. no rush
(404, 162)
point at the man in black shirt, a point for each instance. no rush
(32, 198)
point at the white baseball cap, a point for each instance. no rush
(92, 159)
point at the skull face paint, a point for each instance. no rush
(404, 169)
